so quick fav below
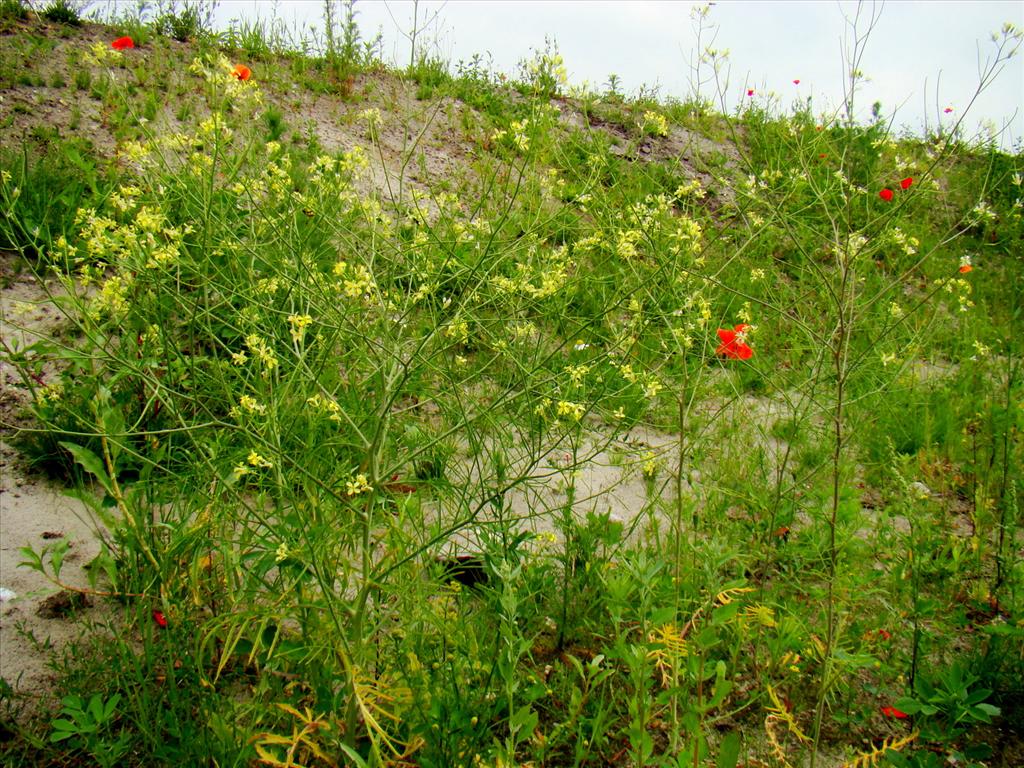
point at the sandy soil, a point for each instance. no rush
(33, 611)
(33, 512)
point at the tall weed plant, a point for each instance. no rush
(337, 438)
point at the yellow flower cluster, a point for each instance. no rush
(899, 239)
(650, 465)
(548, 65)
(326, 405)
(357, 485)
(577, 373)
(566, 409)
(101, 54)
(251, 405)
(50, 394)
(654, 124)
(213, 130)
(457, 330)
(299, 324)
(124, 198)
(520, 138)
(256, 460)
(644, 379)
(112, 299)
(626, 242)
(356, 280)
(100, 235)
(694, 189)
(259, 347)
(218, 72)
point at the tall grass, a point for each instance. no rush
(357, 452)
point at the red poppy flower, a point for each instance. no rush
(241, 71)
(905, 184)
(884, 634)
(750, 91)
(886, 194)
(733, 344)
(797, 81)
(122, 43)
(965, 268)
(160, 619)
(893, 712)
(947, 110)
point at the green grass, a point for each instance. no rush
(302, 395)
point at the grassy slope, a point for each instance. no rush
(510, 258)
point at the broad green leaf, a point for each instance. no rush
(57, 556)
(32, 560)
(729, 751)
(90, 462)
(984, 712)
(908, 705)
(525, 719)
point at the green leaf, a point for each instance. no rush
(725, 613)
(722, 687)
(525, 719)
(985, 712)
(96, 708)
(978, 695)
(923, 688)
(896, 759)
(112, 421)
(90, 462)
(729, 751)
(908, 705)
(110, 706)
(57, 556)
(64, 725)
(355, 757)
(32, 560)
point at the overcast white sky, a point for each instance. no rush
(917, 47)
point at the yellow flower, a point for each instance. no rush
(357, 485)
(256, 460)
(251, 405)
(299, 324)
(282, 553)
(654, 124)
(574, 411)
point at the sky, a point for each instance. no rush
(920, 58)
